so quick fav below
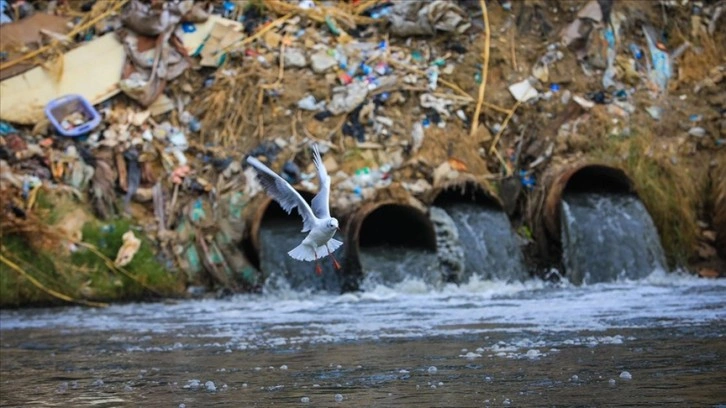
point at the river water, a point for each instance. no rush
(658, 341)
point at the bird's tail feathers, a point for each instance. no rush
(304, 252)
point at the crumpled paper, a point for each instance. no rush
(410, 18)
(155, 53)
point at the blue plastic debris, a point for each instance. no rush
(555, 87)
(662, 70)
(7, 129)
(636, 51)
(188, 27)
(527, 180)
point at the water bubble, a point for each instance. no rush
(182, 405)
(209, 385)
(192, 384)
(316, 385)
(338, 397)
(575, 378)
(507, 402)
(244, 385)
(611, 382)
(283, 367)
(62, 387)
(488, 379)
(305, 400)
(224, 387)
(440, 384)
(432, 370)
(626, 375)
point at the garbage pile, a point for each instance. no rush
(147, 109)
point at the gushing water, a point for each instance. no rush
(491, 248)
(385, 265)
(277, 237)
(608, 236)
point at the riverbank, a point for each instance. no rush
(398, 111)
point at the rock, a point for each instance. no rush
(349, 98)
(295, 57)
(322, 62)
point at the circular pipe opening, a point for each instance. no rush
(586, 178)
(469, 191)
(578, 178)
(268, 211)
(386, 223)
(397, 225)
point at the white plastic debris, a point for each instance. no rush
(523, 91)
(310, 103)
(583, 102)
(322, 62)
(295, 57)
(345, 99)
(417, 136)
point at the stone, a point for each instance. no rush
(322, 62)
(295, 57)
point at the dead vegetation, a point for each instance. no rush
(668, 191)
(53, 250)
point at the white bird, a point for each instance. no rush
(316, 220)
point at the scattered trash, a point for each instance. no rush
(655, 112)
(393, 101)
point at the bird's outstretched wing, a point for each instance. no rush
(321, 202)
(282, 192)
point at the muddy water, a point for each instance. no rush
(657, 342)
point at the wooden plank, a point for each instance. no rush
(92, 70)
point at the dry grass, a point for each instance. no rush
(719, 200)
(668, 191)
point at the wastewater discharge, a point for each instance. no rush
(281, 272)
(491, 249)
(606, 237)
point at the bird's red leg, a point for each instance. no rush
(336, 265)
(318, 268)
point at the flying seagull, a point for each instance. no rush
(316, 220)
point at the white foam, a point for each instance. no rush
(408, 310)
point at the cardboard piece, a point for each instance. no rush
(27, 34)
(92, 70)
(220, 37)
